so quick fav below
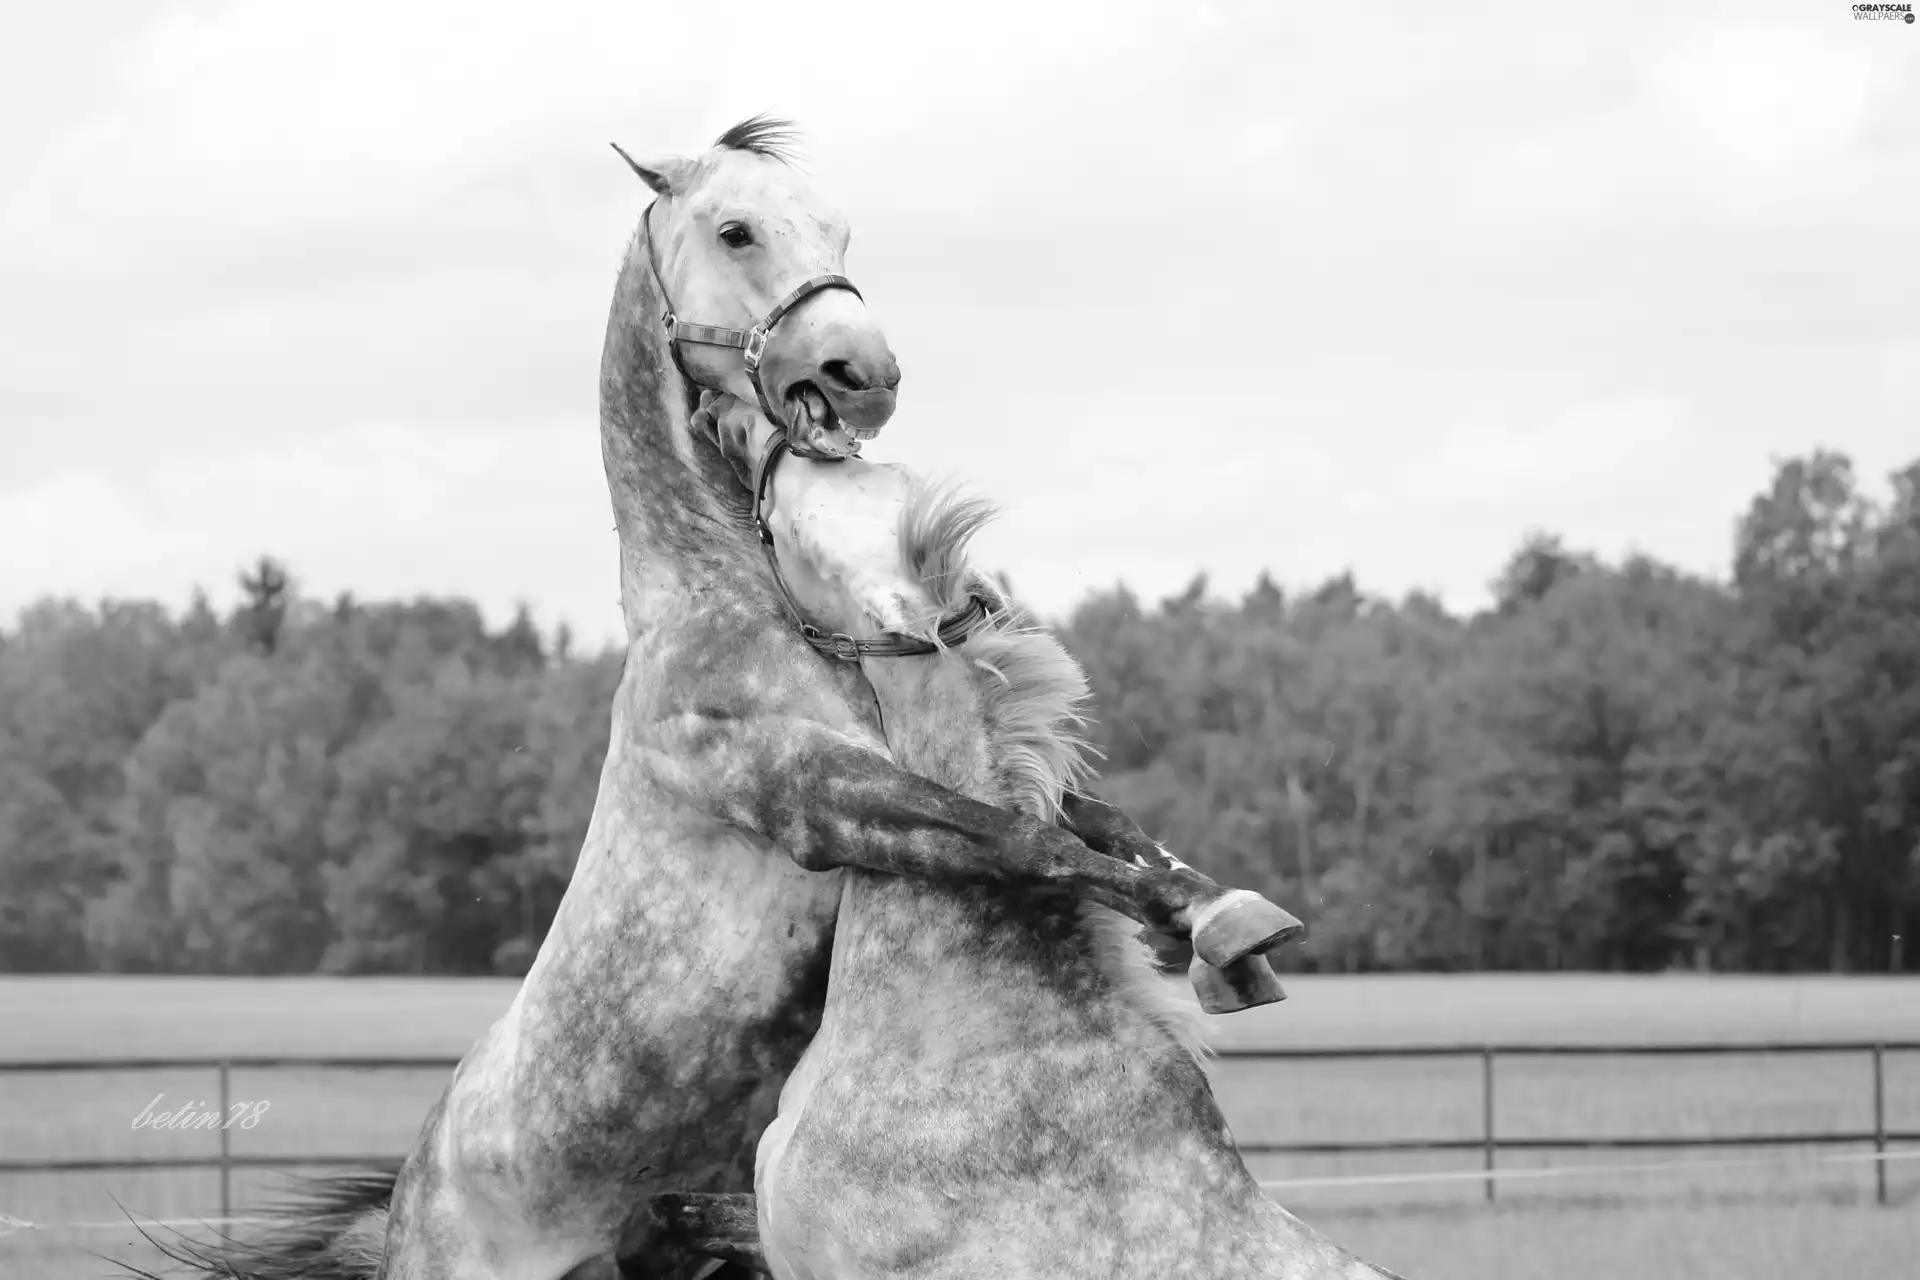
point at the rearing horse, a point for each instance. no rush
(999, 1086)
(686, 968)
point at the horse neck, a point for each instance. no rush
(935, 722)
(680, 513)
(991, 721)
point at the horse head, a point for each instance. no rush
(751, 262)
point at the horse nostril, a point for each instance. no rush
(844, 373)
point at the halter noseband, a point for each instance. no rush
(752, 344)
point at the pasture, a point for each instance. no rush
(1781, 1220)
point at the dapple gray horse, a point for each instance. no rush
(1000, 1085)
(687, 965)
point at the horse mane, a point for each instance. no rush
(1035, 701)
(763, 135)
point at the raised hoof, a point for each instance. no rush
(1241, 924)
(1244, 984)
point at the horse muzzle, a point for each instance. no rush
(863, 412)
(838, 382)
(823, 422)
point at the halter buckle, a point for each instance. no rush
(670, 323)
(840, 645)
(754, 347)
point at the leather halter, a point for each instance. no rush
(954, 629)
(752, 344)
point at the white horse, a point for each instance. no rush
(1000, 1085)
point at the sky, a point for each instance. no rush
(1185, 286)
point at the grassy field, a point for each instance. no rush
(1786, 1219)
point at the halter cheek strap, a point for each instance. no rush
(953, 630)
(751, 342)
(752, 345)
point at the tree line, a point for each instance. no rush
(1616, 766)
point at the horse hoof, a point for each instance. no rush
(1239, 924)
(1244, 984)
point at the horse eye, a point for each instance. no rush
(735, 236)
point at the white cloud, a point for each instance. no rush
(81, 535)
(1497, 454)
(1766, 104)
(1226, 285)
(377, 509)
(1899, 370)
(263, 121)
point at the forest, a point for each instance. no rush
(1616, 766)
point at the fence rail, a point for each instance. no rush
(1488, 1142)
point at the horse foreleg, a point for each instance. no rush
(831, 800)
(1247, 983)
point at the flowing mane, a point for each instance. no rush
(1034, 697)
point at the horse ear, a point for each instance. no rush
(666, 175)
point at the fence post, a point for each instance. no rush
(226, 1142)
(1880, 1123)
(1486, 1112)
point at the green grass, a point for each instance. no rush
(1785, 1220)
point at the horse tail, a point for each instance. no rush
(332, 1228)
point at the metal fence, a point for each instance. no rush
(1487, 1142)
